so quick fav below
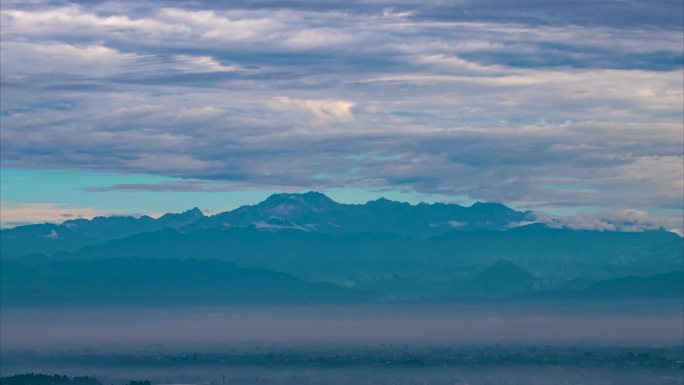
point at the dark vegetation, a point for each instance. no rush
(656, 365)
(55, 379)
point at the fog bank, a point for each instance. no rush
(472, 323)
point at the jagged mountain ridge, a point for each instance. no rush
(315, 211)
(311, 211)
(74, 234)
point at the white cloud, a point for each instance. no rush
(190, 63)
(59, 59)
(52, 235)
(73, 20)
(323, 110)
(457, 63)
(456, 224)
(213, 26)
(317, 38)
(199, 113)
(622, 220)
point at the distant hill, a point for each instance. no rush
(156, 281)
(665, 285)
(659, 286)
(501, 279)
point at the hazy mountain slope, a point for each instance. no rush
(661, 285)
(307, 255)
(500, 279)
(43, 238)
(377, 261)
(154, 281)
(565, 253)
(665, 285)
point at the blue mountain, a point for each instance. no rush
(157, 281)
(312, 212)
(399, 250)
(75, 234)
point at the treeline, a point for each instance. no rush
(55, 379)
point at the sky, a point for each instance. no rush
(573, 108)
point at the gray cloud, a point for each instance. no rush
(536, 103)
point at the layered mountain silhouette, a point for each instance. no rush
(74, 234)
(666, 285)
(312, 211)
(376, 260)
(157, 281)
(396, 250)
(501, 279)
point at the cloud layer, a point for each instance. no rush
(539, 104)
(17, 214)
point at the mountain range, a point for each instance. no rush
(397, 251)
(310, 212)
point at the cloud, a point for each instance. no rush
(207, 24)
(13, 214)
(541, 105)
(623, 220)
(179, 186)
(189, 63)
(317, 38)
(322, 110)
(61, 59)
